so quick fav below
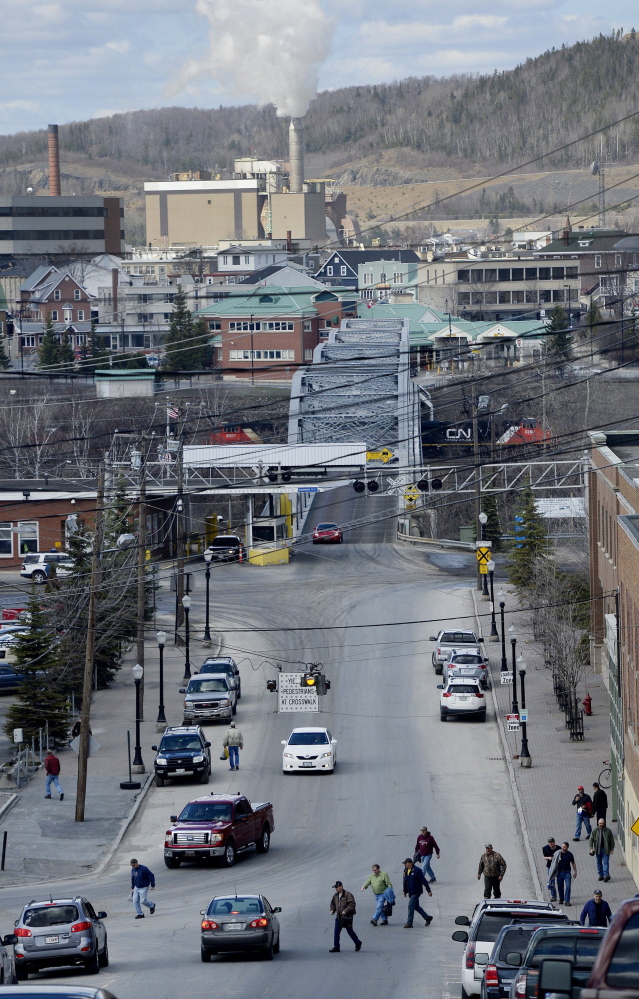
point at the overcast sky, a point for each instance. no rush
(69, 60)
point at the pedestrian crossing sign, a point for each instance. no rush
(411, 494)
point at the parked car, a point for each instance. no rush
(577, 944)
(513, 939)
(462, 696)
(56, 992)
(60, 932)
(309, 749)
(471, 663)
(210, 696)
(327, 534)
(37, 565)
(451, 640)
(227, 548)
(183, 751)
(10, 679)
(218, 825)
(484, 926)
(223, 664)
(239, 923)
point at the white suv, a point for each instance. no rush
(462, 695)
(36, 565)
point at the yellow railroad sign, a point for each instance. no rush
(411, 494)
(635, 827)
(384, 455)
(483, 555)
(483, 568)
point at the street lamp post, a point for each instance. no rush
(524, 754)
(186, 603)
(513, 645)
(494, 637)
(207, 558)
(502, 604)
(161, 720)
(483, 520)
(138, 762)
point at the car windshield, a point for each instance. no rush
(216, 685)
(515, 939)
(172, 742)
(326, 527)
(234, 906)
(563, 946)
(225, 543)
(465, 660)
(463, 688)
(205, 811)
(308, 739)
(458, 638)
(492, 922)
(50, 915)
(217, 668)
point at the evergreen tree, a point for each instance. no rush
(493, 525)
(41, 696)
(182, 352)
(49, 352)
(530, 543)
(66, 356)
(558, 341)
(93, 353)
(203, 342)
(4, 357)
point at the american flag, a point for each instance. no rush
(172, 412)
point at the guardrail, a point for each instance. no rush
(466, 546)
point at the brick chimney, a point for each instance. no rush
(54, 162)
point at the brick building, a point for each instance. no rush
(613, 492)
(50, 293)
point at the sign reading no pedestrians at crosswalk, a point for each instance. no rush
(294, 697)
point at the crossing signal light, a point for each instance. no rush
(373, 486)
(436, 484)
(286, 474)
(271, 473)
(271, 685)
(359, 486)
(422, 485)
(309, 680)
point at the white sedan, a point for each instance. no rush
(462, 696)
(309, 749)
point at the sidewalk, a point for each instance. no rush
(559, 766)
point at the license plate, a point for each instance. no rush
(51, 940)
(306, 764)
(182, 771)
(462, 698)
(234, 926)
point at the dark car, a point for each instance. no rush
(56, 992)
(240, 923)
(227, 548)
(514, 938)
(578, 944)
(327, 534)
(10, 679)
(183, 751)
(59, 933)
(223, 664)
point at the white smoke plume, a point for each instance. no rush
(269, 50)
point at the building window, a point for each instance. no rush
(80, 338)
(329, 270)
(517, 274)
(617, 260)
(477, 298)
(572, 272)
(54, 315)
(220, 353)
(504, 298)
(476, 276)
(262, 355)
(490, 275)
(367, 293)
(518, 297)
(68, 315)
(544, 296)
(367, 278)
(214, 324)
(308, 326)
(504, 275)
(531, 273)
(531, 297)
(80, 315)
(382, 278)
(398, 278)
(6, 541)
(76, 295)
(225, 260)
(597, 260)
(27, 536)
(342, 270)
(558, 295)
(464, 298)
(490, 298)
(558, 273)
(463, 276)
(308, 354)
(28, 341)
(56, 295)
(247, 260)
(544, 273)
(235, 260)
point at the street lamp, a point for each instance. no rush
(494, 637)
(186, 603)
(138, 763)
(524, 754)
(502, 604)
(512, 631)
(161, 639)
(483, 520)
(207, 558)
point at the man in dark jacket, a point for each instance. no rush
(343, 908)
(414, 884)
(425, 846)
(583, 804)
(52, 770)
(141, 880)
(596, 911)
(599, 802)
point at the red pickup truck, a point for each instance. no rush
(218, 825)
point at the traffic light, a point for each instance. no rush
(309, 680)
(373, 486)
(359, 486)
(271, 685)
(323, 684)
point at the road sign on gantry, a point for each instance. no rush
(294, 697)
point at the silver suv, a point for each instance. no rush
(59, 933)
(209, 695)
(37, 566)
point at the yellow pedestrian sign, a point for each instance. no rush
(635, 827)
(384, 455)
(411, 494)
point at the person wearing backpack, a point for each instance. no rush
(380, 882)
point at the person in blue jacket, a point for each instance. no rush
(141, 880)
(596, 911)
(414, 884)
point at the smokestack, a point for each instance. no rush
(54, 162)
(296, 155)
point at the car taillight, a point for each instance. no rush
(447, 695)
(478, 693)
(20, 932)
(81, 927)
(520, 986)
(470, 956)
(492, 978)
(208, 924)
(258, 922)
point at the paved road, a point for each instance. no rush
(399, 767)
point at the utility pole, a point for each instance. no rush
(87, 684)
(141, 567)
(179, 523)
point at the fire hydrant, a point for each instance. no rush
(587, 703)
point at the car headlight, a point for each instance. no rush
(289, 755)
(216, 838)
(161, 761)
(324, 755)
(224, 702)
(198, 759)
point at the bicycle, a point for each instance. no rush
(606, 776)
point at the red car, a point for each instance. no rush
(327, 534)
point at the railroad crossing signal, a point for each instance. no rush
(483, 552)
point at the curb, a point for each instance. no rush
(8, 804)
(125, 826)
(511, 773)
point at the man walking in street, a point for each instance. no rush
(596, 911)
(560, 868)
(379, 881)
(549, 852)
(141, 880)
(583, 803)
(599, 802)
(425, 846)
(233, 741)
(343, 908)
(414, 884)
(52, 770)
(493, 866)
(602, 844)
